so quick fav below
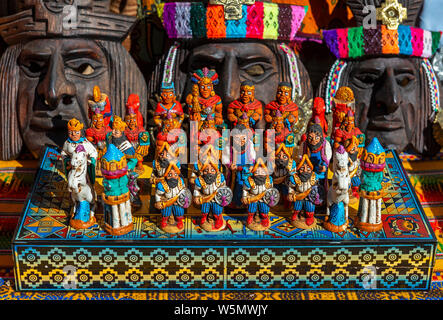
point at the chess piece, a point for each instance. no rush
(371, 188)
(247, 104)
(168, 106)
(211, 193)
(259, 195)
(304, 194)
(285, 166)
(203, 101)
(338, 193)
(96, 134)
(172, 197)
(116, 196)
(79, 159)
(284, 104)
(100, 103)
(135, 131)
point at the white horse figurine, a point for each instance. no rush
(339, 190)
(82, 192)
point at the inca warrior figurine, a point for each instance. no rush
(304, 194)
(165, 156)
(347, 130)
(116, 196)
(168, 106)
(371, 188)
(351, 147)
(172, 196)
(241, 158)
(118, 139)
(343, 101)
(319, 151)
(79, 159)
(211, 193)
(338, 193)
(246, 104)
(283, 103)
(100, 101)
(284, 167)
(203, 101)
(96, 133)
(281, 134)
(135, 132)
(259, 194)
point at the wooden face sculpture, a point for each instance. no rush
(388, 70)
(51, 71)
(238, 50)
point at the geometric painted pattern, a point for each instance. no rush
(225, 268)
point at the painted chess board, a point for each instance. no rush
(49, 255)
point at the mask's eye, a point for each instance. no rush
(255, 70)
(83, 67)
(33, 68)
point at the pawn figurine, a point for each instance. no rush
(371, 188)
(304, 194)
(338, 193)
(211, 193)
(116, 196)
(259, 194)
(172, 196)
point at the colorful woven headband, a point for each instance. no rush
(262, 20)
(359, 42)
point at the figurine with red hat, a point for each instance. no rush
(134, 131)
(172, 197)
(284, 104)
(259, 195)
(248, 104)
(96, 133)
(303, 194)
(319, 111)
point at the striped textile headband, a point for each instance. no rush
(262, 20)
(351, 43)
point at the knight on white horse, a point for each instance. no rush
(82, 190)
(338, 192)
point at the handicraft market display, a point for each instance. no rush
(305, 204)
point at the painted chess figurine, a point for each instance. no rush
(319, 151)
(168, 105)
(165, 156)
(241, 158)
(74, 140)
(116, 196)
(205, 152)
(118, 138)
(172, 196)
(203, 101)
(319, 111)
(343, 101)
(96, 133)
(352, 148)
(283, 103)
(347, 130)
(338, 193)
(246, 104)
(304, 194)
(282, 135)
(135, 132)
(284, 167)
(211, 193)
(101, 102)
(371, 188)
(259, 194)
